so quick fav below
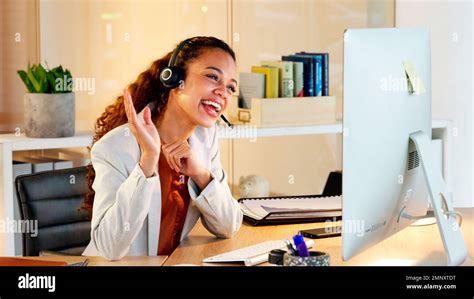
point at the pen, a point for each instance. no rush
(226, 121)
(290, 247)
(83, 263)
(301, 248)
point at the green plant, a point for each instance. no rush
(37, 79)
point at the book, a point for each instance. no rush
(14, 261)
(252, 85)
(41, 261)
(286, 84)
(271, 79)
(290, 209)
(20, 168)
(37, 165)
(318, 71)
(308, 72)
(298, 79)
(58, 163)
(325, 73)
(40, 163)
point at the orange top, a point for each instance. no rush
(174, 206)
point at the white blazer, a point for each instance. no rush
(126, 213)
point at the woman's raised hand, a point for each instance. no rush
(181, 159)
(146, 134)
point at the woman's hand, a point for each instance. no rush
(181, 159)
(146, 134)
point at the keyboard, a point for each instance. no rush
(251, 255)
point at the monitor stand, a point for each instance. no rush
(451, 235)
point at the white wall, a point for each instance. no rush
(111, 42)
(452, 79)
(90, 41)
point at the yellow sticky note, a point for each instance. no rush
(415, 84)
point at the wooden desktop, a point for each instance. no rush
(100, 261)
(415, 245)
(420, 245)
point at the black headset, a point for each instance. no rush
(172, 75)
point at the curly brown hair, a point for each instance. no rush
(148, 88)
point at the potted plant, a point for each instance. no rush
(49, 105)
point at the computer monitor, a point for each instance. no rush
(386, 140)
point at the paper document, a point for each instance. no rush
(415, 84)
(291, 207)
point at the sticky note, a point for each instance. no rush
(414, 82)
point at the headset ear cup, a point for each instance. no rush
(171, 77)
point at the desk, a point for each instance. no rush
(99, 261)
(420, 245)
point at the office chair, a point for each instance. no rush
(54, 198)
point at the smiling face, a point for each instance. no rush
(208, 88)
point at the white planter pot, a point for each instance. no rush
(49, 115)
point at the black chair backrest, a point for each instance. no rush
(54, 199)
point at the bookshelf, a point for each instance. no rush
(10, 143)
(336, 128)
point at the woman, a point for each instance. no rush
(158, 172)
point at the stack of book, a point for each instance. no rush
(303, 74)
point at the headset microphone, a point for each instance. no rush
(172, 76)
